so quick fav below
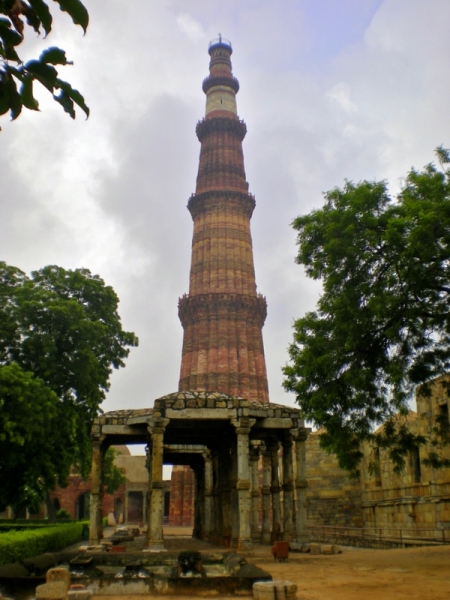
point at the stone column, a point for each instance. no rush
(288, 488)
(224, 515)
(254, 462)
(96, 500)
(155, 533)
(243, 482)
(234, 498)
(216, 533)
(265, 491)
(208, 470)
(275, 491)
(301, 484)
(148, 466)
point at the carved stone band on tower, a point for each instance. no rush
(222, 316)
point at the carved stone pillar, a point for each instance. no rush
(275, 490)
(234, 497)
(301, 484)
(208, 470)
(96, 500)
(265, 492)
(225, 519)
(254, 462)
(288, 488)
(243, 483)
(216, 535)
(155, 533)
(148, 466)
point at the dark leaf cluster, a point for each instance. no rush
(60, 339)
(382, 324)
(16, 77)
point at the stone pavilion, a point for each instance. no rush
(220, 421)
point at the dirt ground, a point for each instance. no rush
(356, 574)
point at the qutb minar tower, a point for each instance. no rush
(222, 316)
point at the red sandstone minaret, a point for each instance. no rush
(222, 316)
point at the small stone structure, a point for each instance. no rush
(222, 438)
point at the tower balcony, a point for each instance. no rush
(210, 82)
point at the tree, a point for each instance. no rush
(60, 338)
(113, 477)
(13, 71)
(382, 324)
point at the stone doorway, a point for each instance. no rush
(82, 507)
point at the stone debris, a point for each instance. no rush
(274, 590)
(56, 590)
(315, 548)
(58, 574)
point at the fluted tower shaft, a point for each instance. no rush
(223, 315)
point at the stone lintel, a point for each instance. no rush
(185, 448)
(202, 413)
(120, 430)
(276, 423)
(157, 485)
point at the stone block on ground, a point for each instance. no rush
(56, 590)
(336, 549)
(291, 590)
(263, 590)
(327, 549)
(315, 548)
(279, 589)
(58, 574)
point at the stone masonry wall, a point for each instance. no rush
(332, 498)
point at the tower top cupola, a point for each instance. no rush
(220, 43)
(220, 86)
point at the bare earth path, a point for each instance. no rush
(406, 574)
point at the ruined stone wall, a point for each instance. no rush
(332, 498)
(416, 501)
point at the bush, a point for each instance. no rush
(62, 515)
(12, 526)
(17, 546)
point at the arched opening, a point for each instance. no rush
(118, 510)
(82, 506)
(135, 507)
(166, 507)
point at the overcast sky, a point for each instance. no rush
(330, 90)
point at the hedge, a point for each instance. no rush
(22, 527)
(16, 546)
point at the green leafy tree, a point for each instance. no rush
(14, 14)
(60, 338)
(113, 477)
(382, 324)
